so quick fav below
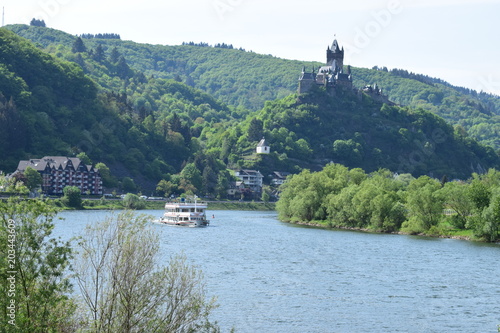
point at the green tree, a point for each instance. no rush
(132, 201)
(38, 263)
(456, 197)
(99, 55)
(33, 178)
(424, 203)
(84, 158)
(255, 130)
(78, 46)
(72, 197)
(107, 179)
(125, 287)
(191, 174)
(128, 184)
(265, 196)
(114, 56)
(489, 227)
(165, 188)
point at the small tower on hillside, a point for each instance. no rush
(262, 147)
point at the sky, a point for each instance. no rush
(454, 40)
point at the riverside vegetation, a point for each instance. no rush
(384, 202)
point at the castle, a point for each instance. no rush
(332, 75)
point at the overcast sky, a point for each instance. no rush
(456, 40)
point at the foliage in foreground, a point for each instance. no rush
(124, 289)
(387, 202)
(32, 270)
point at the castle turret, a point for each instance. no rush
(335, 53)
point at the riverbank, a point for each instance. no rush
(160, 204)
(466, 235)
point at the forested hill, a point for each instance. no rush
(247, 80)
(49, 107)
(355, 130)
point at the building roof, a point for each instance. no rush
(263, 143)
(52, 162)
(253, 173)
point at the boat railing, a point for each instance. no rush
(187, 203)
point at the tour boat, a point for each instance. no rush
(185, 212)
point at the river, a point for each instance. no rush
(275, 277)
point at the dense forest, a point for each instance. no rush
(50, 107)
(382, 201)
(148, 114)
(247, 80)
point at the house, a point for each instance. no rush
(251, 178)
(278, 178)
(263, 147)
(59, 171)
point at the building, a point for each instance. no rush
(251, 178)
(58, 172)
(332, 75)
(278, 178)
(263, 147)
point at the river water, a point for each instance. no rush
(275, 277)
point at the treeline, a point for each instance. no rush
(490, 101)
(386, 202)
(218, 45)
(100, 36)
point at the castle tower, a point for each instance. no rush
(306, 81)
(335, 53)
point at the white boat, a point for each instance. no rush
(185, 212)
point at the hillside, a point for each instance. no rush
(162, 131)
(316, 128)
(247, 80)
(50, 107)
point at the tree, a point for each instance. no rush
(84, 158)
(128, 184)
(99, 55)
(255, 130)
(489, 227)
(114, 56)
(424, 204)
(265, 197)
(33, 178)
(165, 187)
(72, 197)
(126, 289)
(122, 68)
(192, 175)
(78, 46)
(33, 267)
(107, 179)
(132, 201)
(455, 196)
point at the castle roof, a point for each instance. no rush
(335, 46)
(306, 76)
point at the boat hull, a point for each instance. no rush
(188, 224)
